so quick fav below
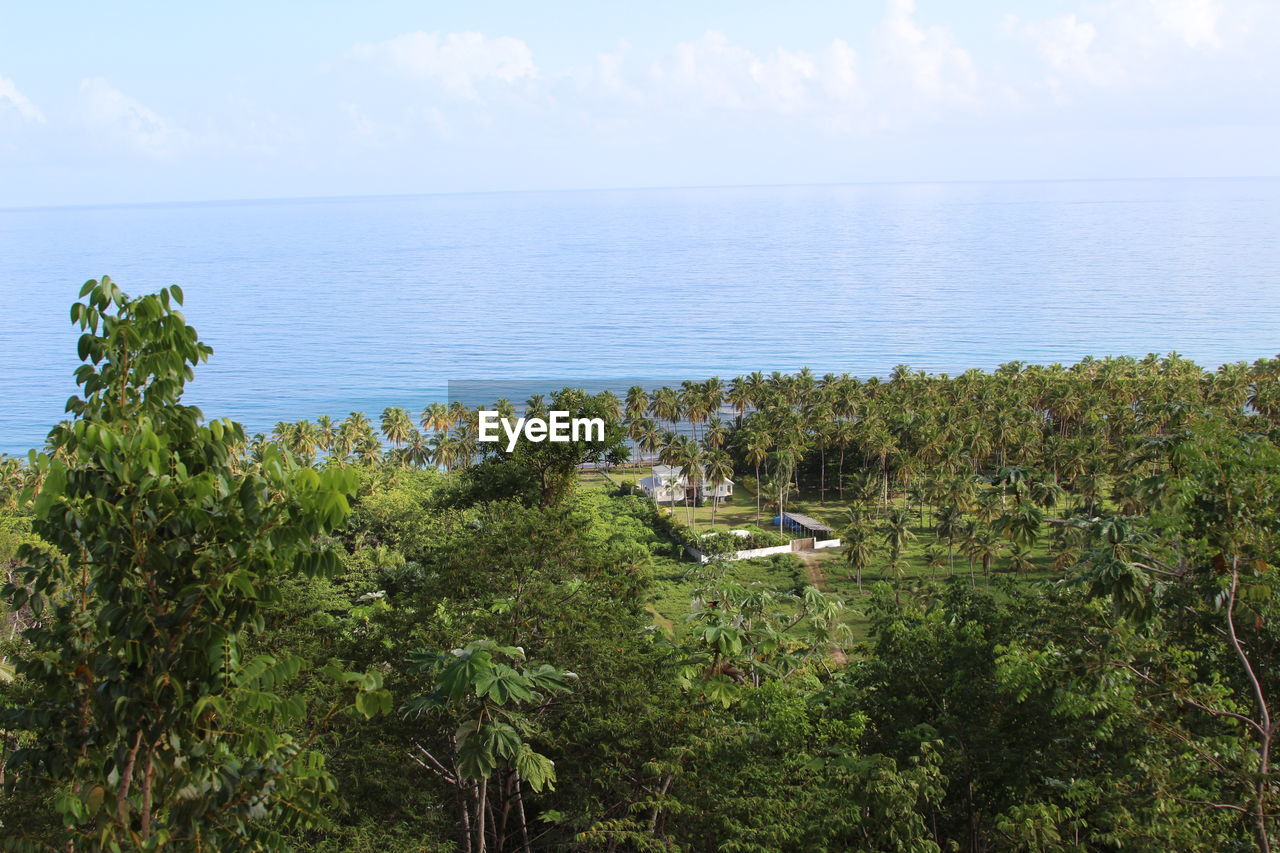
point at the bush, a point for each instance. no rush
(761, 538)
(719, 544)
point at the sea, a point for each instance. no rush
(333, 305)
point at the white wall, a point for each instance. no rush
(752, 553)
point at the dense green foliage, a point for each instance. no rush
(204, 632)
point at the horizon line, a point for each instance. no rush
(637, 188)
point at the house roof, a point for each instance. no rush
(806, 522)
(663, 473)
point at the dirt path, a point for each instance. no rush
(813, 569)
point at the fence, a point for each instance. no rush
(752, 553)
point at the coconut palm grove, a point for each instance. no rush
(1051, 623)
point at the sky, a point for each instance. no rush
(134, 102)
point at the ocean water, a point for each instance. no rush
(327, 306)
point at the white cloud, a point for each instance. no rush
(11, 100)
(714, 73)
(906, 71)
(711, 70)
(1193, 21)
(458, 62)
(116, 113)
(1122, 43)
(1066, 45)
(927, 59)
(361, 124)
(1092, 66)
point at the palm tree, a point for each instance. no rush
(665, 405)
(282, 433)
(685, 455)
(843, 436)
(396, 425)
(865, 486)
(1020, 559)
(719, 470)
(713, 394)
(435, 418)
(505, 409)
(637, 429)
(717, 433)
(982, 545)
(948, 523)
(348, 439)
(610, 405)
(988, 506)
(693, 401)
(637, 403)
(757, 451)
(689, 458)
(859, 548)
(1047, 493)
(650, 438)
(306, 440)
(823, 430)
(458, 413)
(416, 450)
(739, 396)
(783, 467)
(1021, 524)
(897, 531)
(960, 491)
(880, 443)
(326, 433)
(369, 450)
(898, 568)
(444, 450)
(935, 559)
(918, 493)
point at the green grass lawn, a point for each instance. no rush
(676, 581)
(739, 509)
(598, 480)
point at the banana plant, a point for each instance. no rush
(740, 635)
(497, 693)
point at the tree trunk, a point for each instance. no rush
(1265, 730)
(822, 476)
(653, 812)
(500, 829)
(493, 824)
(482, 793)
(148, 779)
(126, 780)
(466, 819)
(524, 821)
(840, 474)
(759, 489)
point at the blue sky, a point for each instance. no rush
(137, 102)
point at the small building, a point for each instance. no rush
(666, 484)
(803, 524)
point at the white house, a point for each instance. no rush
(667, 485)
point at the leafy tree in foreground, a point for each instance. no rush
(491, 741)
(148, 730)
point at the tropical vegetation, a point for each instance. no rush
(1051, 623)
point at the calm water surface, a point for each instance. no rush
(324, 306)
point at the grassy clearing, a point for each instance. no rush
(739, 509)
(676, 581)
